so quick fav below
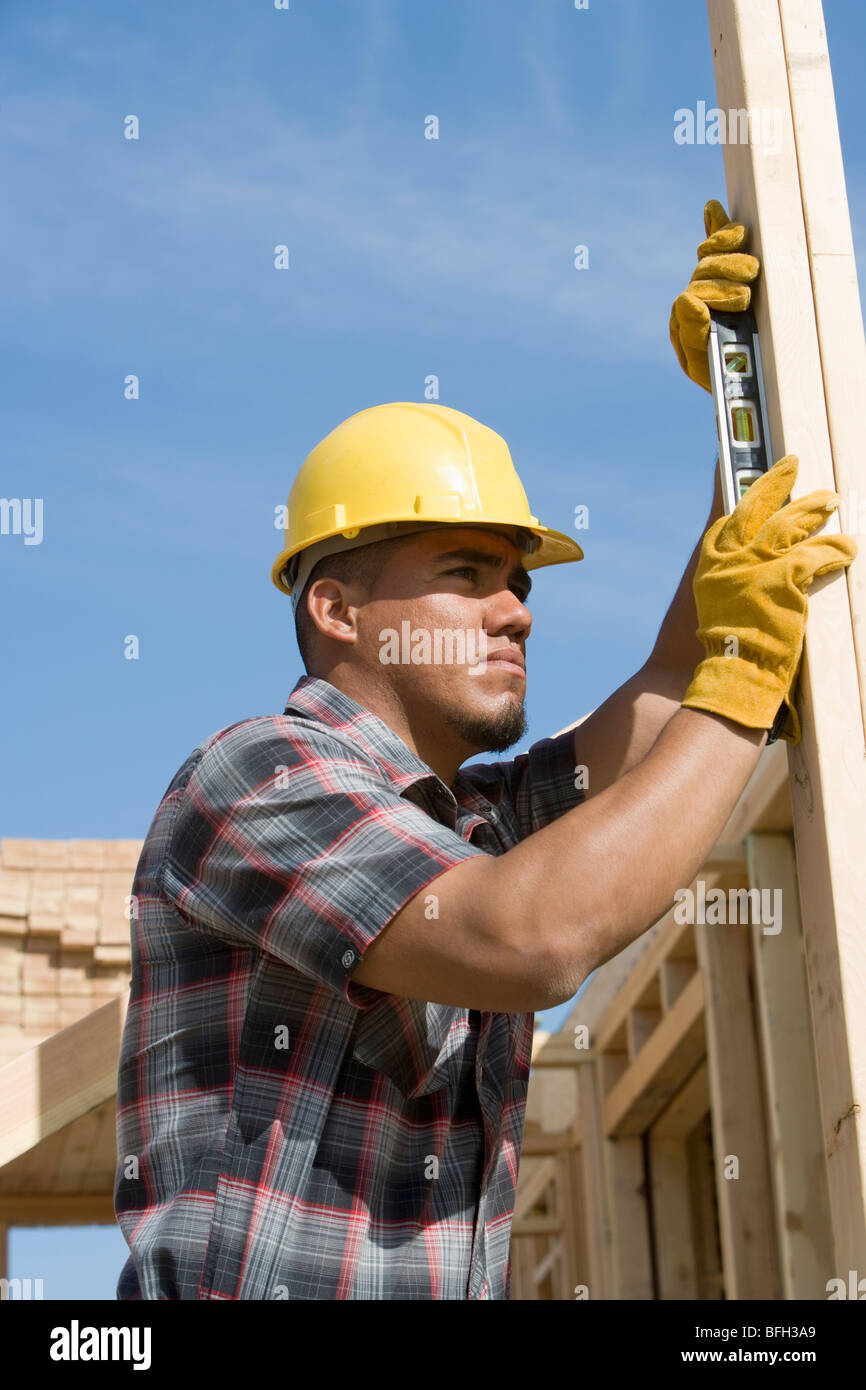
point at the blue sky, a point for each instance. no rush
(408, 257)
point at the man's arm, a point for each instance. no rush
(617, 735)
(523, 930)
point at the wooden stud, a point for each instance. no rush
(574, 1225)
(772, 55)
(672, 1223)
(702, 1190)
(799, 1166)
(593, 1188)
(632, 1260)
(745, 1201)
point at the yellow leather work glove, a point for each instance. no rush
(750, 592)
(721, 280)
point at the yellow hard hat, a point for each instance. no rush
(411, 462)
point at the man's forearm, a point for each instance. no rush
(677, 649)
(599, 876)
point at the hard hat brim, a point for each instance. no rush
(556, 547)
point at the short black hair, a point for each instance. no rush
(358, 566)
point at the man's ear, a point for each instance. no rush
(332, 606)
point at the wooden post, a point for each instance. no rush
(787, 185)
(594, 1194)
(746, 1218)
(782, 1005)
(575, 1223)
(629, 1200)
(674, 1237)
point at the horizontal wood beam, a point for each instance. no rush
(659, 1070)
(536, 1225)
(57, 1209)
(666, 943)
(688, 1107)
(68, 1074)
(546, 1145)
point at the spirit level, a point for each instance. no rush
(741, 408)
(742, 426)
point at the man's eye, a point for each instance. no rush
(464, 569)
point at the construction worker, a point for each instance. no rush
(341, 933)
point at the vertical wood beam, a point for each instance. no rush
(771, 55)
(628, 1205)
(594, 1196)
(672, 1220)
(833, 268)
(574, 1230)
(746, 1220)
(702, 1193)
(799, 1166)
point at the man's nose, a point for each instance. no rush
(508, 614)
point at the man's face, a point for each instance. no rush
(464, 587)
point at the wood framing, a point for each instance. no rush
(771, 55)
(632, 1261)
(55, 1083)
(709, 1273)
(802, 1198)
(674, 1245)
(631, 1112)
(662, 1066)
(743, 1182)
(593, 1188)
(61, 1209)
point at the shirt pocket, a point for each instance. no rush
(419, 1047)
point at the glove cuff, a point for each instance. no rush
(737, 690)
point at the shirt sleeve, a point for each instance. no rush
(534, 788)
(288, 839)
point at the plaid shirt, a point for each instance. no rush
(282, 1131)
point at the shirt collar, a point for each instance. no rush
(318, 699)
